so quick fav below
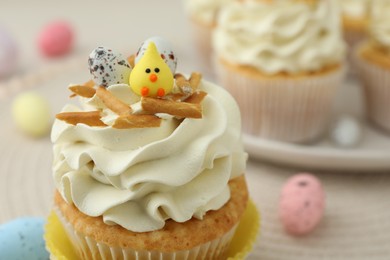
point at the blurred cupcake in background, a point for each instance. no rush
(373, 63)
(9, 54)
(355, 16)
(283, 61)
(203, 15)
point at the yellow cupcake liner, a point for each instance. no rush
(60, 247)
(57, 242)
(246, 233)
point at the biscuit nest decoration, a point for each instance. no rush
(160, 91)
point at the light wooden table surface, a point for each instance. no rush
(357, 219)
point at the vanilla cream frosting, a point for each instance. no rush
(380, 22)
(139, 178)
(205, 11)
(355, 8)
(284, 36)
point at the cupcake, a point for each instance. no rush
(283, 62)
(355, 16)
(151, 165)
(373, 63)
(203, 18)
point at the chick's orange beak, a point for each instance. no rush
(153, 77)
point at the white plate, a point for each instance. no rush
(371, 153)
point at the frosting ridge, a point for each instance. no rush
(283, 36)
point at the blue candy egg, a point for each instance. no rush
(23, 239)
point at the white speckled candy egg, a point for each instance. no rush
(22, 239)
(8, 54)
(165, 49)
(31, 113)
(302, 203)
(108, 68)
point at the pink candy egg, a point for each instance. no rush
(302, 203)
(8, 54)
(56, 39)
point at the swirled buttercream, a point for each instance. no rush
(139, 178)
(283, 36)
(380, 23)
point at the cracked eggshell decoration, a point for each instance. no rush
(8, 54)
(23, 239)
(302, 204)
(108, 67)
(165, 49)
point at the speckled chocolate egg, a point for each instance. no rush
(108, 67)
(165, 49)
(8, 54)
(22, 239)
(302, 203)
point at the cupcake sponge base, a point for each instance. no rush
(195, 239)
(60, 247)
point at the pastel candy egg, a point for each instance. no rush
(346, 132)
(31, 113)
(108, 67)
(301, 204)
(164, 48)
(8, 54)
(56, 39)
(22, 239)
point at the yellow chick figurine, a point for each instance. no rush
(151, 77)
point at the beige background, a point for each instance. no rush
(118, 24)
(356, 224)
